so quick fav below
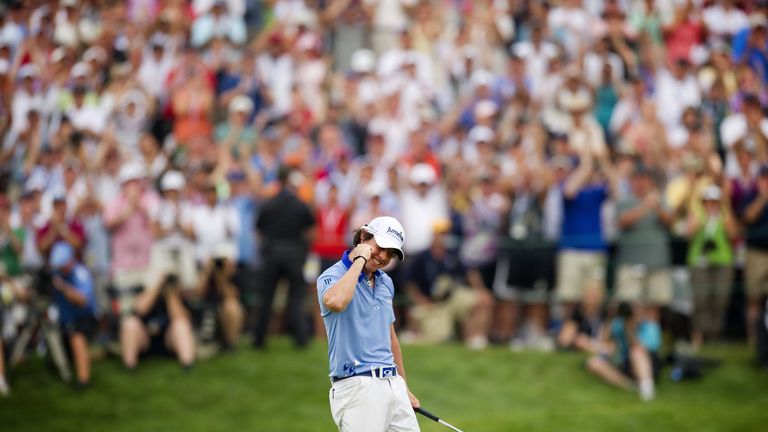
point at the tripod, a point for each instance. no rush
(37, 322)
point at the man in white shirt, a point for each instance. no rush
(212, 224)
(676, 90)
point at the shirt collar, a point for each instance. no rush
(348, 263)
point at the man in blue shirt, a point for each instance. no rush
(368, 389)
(582, 248)
(74, 297)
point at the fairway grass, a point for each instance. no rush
(282, 389)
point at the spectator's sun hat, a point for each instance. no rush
(363, 61)
(485, 108)
(172, 180)
(480, 134)
(388, 234)
(27, 71)
(422, 173)
(130, 171)
(711, 193)
(62, 254)
(240, 104)
(80, 70)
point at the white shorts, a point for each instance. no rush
(364, 403)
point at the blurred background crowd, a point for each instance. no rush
(583, 174)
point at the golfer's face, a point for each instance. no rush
(379, 257)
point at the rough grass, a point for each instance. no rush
(283, 389)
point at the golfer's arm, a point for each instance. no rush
(337, 297)
(397, 353)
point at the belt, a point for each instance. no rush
(384, 372)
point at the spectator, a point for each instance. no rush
(73, 295)
(422, 203)
(61, 227)
(285, 226)
(127, 219)
(711, 260)
(582, 248)
(445, 292)
(173, 250)
(754, 213)
(643, 256)
(634, 363)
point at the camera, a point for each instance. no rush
(218, 263)
(708, 247)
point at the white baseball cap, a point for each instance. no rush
(172, 180)
(388, 234)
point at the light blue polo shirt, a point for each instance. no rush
(358, 337)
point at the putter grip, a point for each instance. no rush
(426, 413)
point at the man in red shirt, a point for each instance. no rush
(60, 227)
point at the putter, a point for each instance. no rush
(435, 418)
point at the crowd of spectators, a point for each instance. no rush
(538, 154)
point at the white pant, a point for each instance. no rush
(372, 405)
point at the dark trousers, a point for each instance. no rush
(283, 261)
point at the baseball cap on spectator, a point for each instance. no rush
(240, 103)
(575, 101)
(481, 78)
(130, 171)
(562, 162)
(757, 20)
(481, 134)
(62, 254)
(27, 71)
(95, 53)
(172, 180)
(80, 70)
(236, 176)
(388, 234)
(485, 108)
(363, 61)
(711, 193)
(376, 127)
(58, 54)
(422, 173)
(375, 189)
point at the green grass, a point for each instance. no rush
(286, 390)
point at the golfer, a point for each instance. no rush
(368, 391)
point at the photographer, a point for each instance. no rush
(710, 259)
(159, 323)
(74, 297)
(216, 287)
(633, 364)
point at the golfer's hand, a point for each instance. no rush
(362, 250)
(414, 401)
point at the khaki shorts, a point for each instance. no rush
(436, 321)
(636, 283)
(756, 274)
(577, 270)
(165, 260)
(124, 280)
